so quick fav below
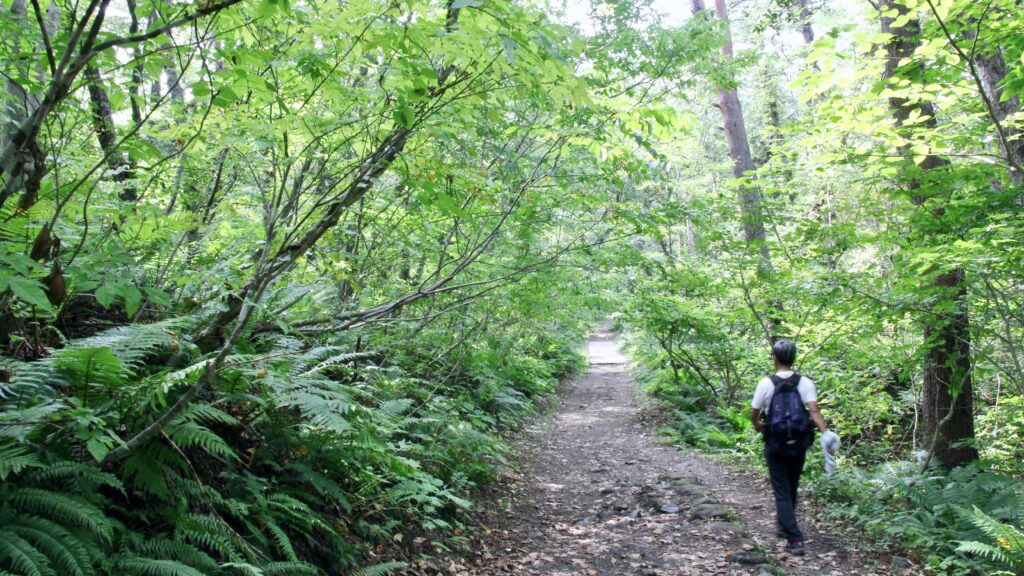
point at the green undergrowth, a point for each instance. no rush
(958, 522)
(304, 458)
(964, 522)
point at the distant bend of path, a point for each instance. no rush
(603, 498)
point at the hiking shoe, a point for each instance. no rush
(795, 547)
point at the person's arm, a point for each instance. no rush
(816, 416)
(758, 404)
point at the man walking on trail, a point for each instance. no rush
(790, 405)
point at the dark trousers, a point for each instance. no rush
(784, 474)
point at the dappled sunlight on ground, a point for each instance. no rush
(603, 498)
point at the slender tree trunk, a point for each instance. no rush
(174, 84)
(805, 21)
(17, 99)
(947, 386)
(215, 334)
(120, 164)
(21, 158)
(751, 202)
(771, 134)
(138, 71)
(948, 368)
(992, 71)
(25, 169)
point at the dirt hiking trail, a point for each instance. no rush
(602, 497)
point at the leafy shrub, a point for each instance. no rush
(1000, 433)
(312, 454)
(1007, 546)
(931, 513)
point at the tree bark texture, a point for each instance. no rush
(992, 71)
(751, 201)
(21, 159)
(947, 367)
(805, 21)
(121, 166)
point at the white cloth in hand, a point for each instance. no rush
(829, 445)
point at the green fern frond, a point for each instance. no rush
(382, 569)
(395, 408)
(281, 540)
(983, 550)
(20, 555)
(1008, 535)
(92, 367)
(184, 373)
(12, 367)
(321, 407)
(147, 470)
(134, 343)
(1008, 540)
(156, 567)
(285, 344)
(190, 434)
(63, 550)
(289, 569)
(185, 487)
(209, 414)
(305, 358)
(14, 458)
(289, 504)
(106, 359)
(212, 533)
(243, 568)
(79, 473)
(215, 543)
(323, 485)
(290, 294)
(18, 424)
(62, 508)
(297, 514)
(177, 550)
(38, 380)
(336, 360)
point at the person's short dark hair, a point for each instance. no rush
(784, 351)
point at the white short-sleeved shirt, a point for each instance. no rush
(766, 388)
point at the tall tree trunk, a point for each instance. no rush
(17, 99)
(992, 71)
(948, 392)
(805, 21)
(987, 66)
(120, 164)
(24, 170)
(751, 202)
(174, 84)
(138, 71)
(948, 368)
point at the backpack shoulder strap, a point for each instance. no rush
(778, 381)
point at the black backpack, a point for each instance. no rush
(788, 430)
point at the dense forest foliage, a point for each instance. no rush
(853, 181)
(280, 277)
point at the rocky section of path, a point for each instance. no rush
(602, 497)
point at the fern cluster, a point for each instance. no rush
(940, 514)
(1007, 542)
(300, 458)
